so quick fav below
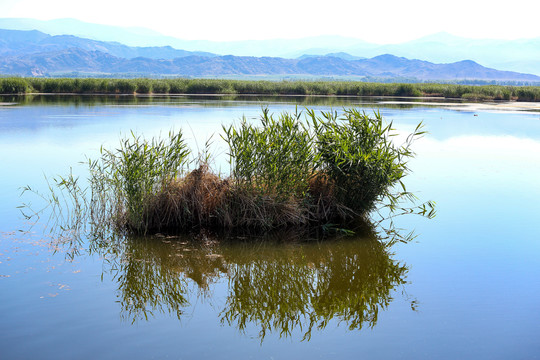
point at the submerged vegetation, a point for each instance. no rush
(18, 85)
(324, 170)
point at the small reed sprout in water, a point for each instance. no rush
(323, 170)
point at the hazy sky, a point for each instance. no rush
(381, 21)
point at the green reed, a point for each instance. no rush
(357, 154)
(223, 86)
(13, 85)
(352, 153)
(275, 158)
(125, 178)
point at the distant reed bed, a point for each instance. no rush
(16, 85)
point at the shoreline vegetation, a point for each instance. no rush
(302, 170)
(181, 86)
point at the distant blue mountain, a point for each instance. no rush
(132, 36)
(145, 37)
(32, 53)
(341, 55)
(521, 55)
(516, 55)
(17, 43)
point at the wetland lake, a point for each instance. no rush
(468, 285)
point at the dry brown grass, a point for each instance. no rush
(324, 207)
(194, 200)
(251, 209)
(202, 199)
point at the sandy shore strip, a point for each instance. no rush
(463, 106)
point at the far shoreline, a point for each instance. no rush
(248, 88)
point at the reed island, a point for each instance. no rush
(301, 169)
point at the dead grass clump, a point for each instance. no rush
(202, 199)
(251, 209)
(193, 201)
(323, 205)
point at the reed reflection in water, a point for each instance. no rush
(278, 283)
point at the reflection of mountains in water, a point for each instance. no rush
(274, 285)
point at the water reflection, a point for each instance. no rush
(306, 286)
(209, 100)
(278, 283)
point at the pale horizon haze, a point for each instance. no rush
(383, 22)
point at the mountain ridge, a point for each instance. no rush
(34, 41)
(521, 55)
(75, 59)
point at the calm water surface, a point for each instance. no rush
(467, 287)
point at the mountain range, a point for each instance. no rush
(522, 55)
(35, 53)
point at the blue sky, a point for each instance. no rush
(389, 21)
